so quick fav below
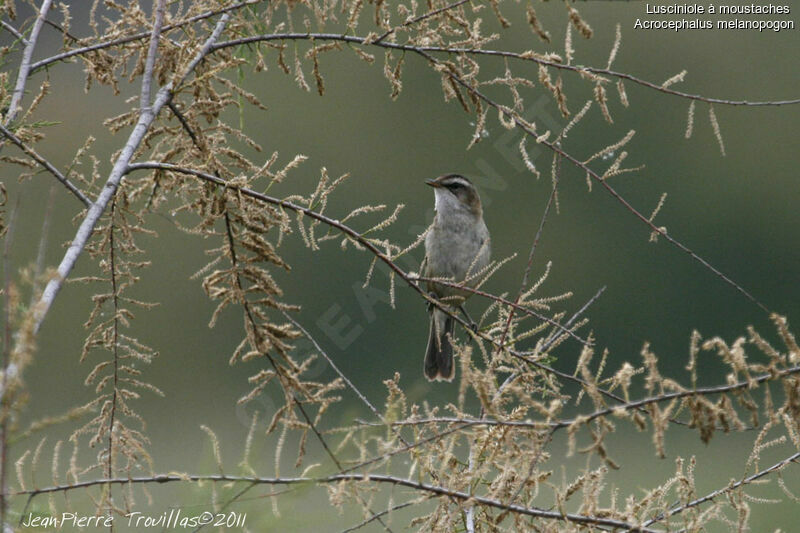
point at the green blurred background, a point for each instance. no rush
(738, 211)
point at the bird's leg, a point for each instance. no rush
(472, 325)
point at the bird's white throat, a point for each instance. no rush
(444, 201)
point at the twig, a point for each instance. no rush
(146, 118)
(114, 399)
(580, 70)
(371, 478)
(568, 324)
(253, 327)
(583, 419)
(528, 475)
(13, 31)
(341, 374)
(47, 165)
(336, 461)
(509, 303)
(184, 123)
(25, 64)
(378, 515)
(152, 52)
(724, 490)
(470, 514)
(60, 28)
(420, 18)
(526, 275)
(497, 53)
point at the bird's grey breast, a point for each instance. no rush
(456, 247)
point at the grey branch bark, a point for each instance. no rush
(152, 52)
(13, 31)
(25, 64)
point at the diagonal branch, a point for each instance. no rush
(780, 465)
(376, 516)
(25, 64)
(47, 165)
(341, 374)
(420, 18)
(515, 306)
(152, 52)
(146, 118)
(150, 165)
(585, 419)
(13, 31)
(526, 275)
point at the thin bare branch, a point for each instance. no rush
(513, 305)
(13, 31)
(370, 478)
(529, 265)
(47, 165)
(374, 517)
(627, 406)
(341, 374)
(568, 324)
(25, 64)
(420, 18)
(780, 465)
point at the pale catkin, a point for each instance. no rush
(535, 25)
(677, 78)
(615, 48)
(623, 95)
(575, 119)
(715, 126)
(690, 121)
(526, 158)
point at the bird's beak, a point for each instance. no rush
(433, 183)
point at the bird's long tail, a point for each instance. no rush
(439, 356)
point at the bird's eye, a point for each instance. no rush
(454, 186)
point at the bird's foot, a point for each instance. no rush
(432, 296)
(472, 325)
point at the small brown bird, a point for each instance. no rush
(456, 247)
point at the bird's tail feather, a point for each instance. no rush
(439, 355)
